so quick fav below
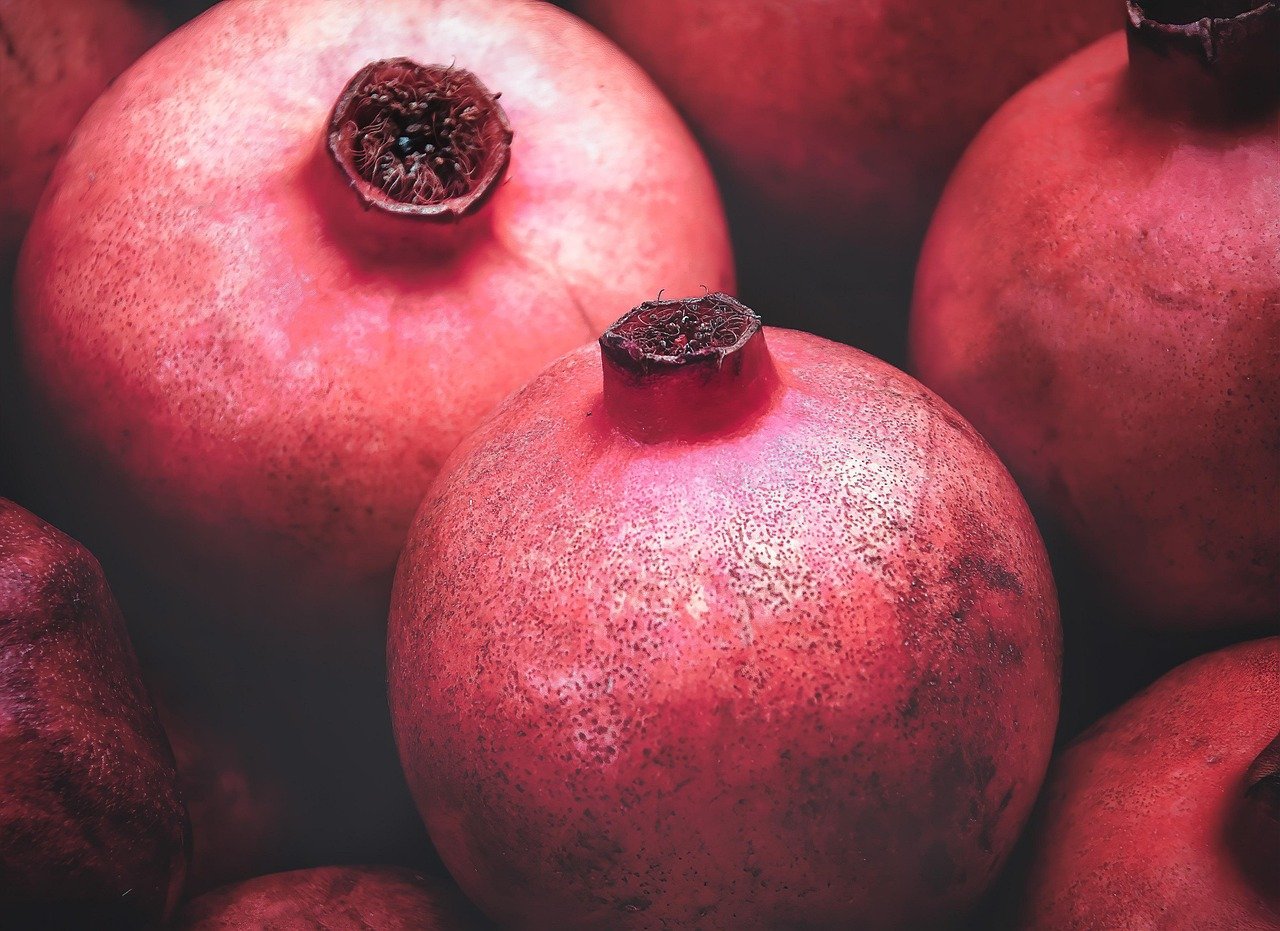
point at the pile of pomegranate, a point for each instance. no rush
(426, 502)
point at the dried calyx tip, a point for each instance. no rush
(669, 334)
(422, 140)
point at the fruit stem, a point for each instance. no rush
(1210, 60)
(425, 141)
(686, 370)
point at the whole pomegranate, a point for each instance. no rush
(56, 58)
(295, 254)
(335, 898)
(1100, 295)
(1166, 814)
(834, 125)
(93, 832)
(749, 635)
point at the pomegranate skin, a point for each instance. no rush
(260, 375)
(1100, 294)
(843, 117)
(93, 832)
(336, 898)
(796, 674)
(56, 58)
(1143, 814)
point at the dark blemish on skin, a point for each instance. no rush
(969, 568)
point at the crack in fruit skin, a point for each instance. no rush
(693, 682)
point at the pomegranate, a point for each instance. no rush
(834, 125)
(56, 56)
(1165, 814)
(92, 829)
(297, 252)
(1100, 295)
(336, 898)
(756, 635)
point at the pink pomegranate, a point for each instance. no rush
(295, 254)
(1166, 814)
(754, 633)
(1100, 295)
(55, 59)
(336, 898)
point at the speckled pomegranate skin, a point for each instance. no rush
(56, 57)
(798, 675)
(262, 377)
(336, 898)
(1100, 295)
(1141, 819)
(844, 116)
(92, 829)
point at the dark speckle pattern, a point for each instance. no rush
(794, 678)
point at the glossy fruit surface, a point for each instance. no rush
(335, 898)
(1157, 816)
(92, 828)
(57, 57)
(1100, 295)
(261, 367)
(750, 635)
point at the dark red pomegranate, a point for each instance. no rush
(751, 635)
(335, 898)
(55, 59)
(92, 829)
(1166, 814)
(1100, 295)
(834, 125)
(295, 255)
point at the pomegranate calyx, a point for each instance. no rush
(428, 141)
(668, 334)
(690, 370)
(1214, 56)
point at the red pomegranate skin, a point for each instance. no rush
(796, 670)
(1100, 295)
(92, 827)
(1142, 824)
(336, 898)
(260, 375)
(843, 118)
(56, 57)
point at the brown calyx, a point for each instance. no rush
(669, 334)
(427, 141)
(1211, 58)
(687, 370)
